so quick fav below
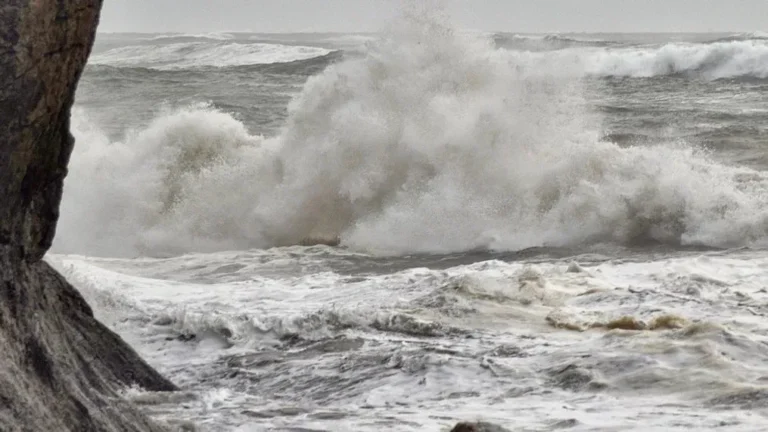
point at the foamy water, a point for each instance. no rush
(283, 339)
(545, 232)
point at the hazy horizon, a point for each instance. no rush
(370, 16)
(376, 32)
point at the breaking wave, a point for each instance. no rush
(305, 67)
(744, 55)
(435, 141)
(755, 35)
(549, 42)
(718, 60)
(713, 61)
(181, 55)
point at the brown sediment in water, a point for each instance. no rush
(668, 322)
(626, 322)
(622, 323)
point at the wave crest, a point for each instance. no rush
(712, 61)
(183, 55)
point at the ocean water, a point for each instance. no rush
(402, 230)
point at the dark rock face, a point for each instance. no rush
(477, 427)
(60, 369)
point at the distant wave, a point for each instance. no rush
(304, 67)
(756, 35)
(200, 54)
(735, 59)
(337, 39)
(713, 61)
(188, 36)
(743, 56)
(549, 42)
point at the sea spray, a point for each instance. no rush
(434, 141)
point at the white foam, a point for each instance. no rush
(505, 370)
(197, 54)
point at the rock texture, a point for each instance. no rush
(478, 427)
(60, 369)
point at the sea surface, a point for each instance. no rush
(402, 230)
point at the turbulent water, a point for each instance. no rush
(398, 231)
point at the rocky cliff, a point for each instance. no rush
(60, 369)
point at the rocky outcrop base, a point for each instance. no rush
(60, 369)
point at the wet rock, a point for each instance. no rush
(61, 369)
(478, 427)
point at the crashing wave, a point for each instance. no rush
(435, 141)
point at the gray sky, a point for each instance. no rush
(371, 15)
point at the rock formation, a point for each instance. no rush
(478, 427)
(60, 369)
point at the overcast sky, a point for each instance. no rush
(371, 15)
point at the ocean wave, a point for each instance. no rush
(188, 36)
(201, 54)
(434, 142)
(735, 59)
(548, 42)
(305, 67)
(711, 61)
(755, 35)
